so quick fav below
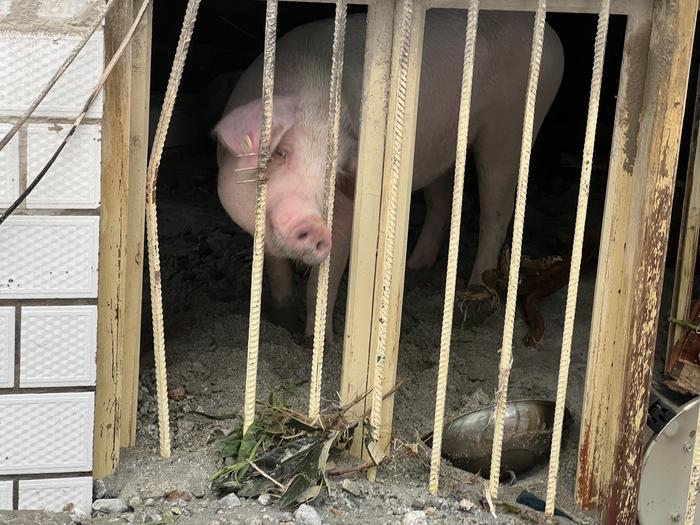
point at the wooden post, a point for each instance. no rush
(365, 230)
(688, 241)
(367, 253)
(612, 434)
(404, 203)
(138, 157)
(113, 241)
(607, 346)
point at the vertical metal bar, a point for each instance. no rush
(453, 254)
(576, 255)
(260, 212)
(152, 225)
(334, 111)
(518, 222)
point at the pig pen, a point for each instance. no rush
(205, 260)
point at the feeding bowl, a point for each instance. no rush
(467, 439)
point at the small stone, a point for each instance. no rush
(254, 521)
(177, 495)
(430, 511)
(466, 505)
(152, 518)
(149, 502)
(135, 501)
(351, 487)
(109, 506)
(307, 515)
(415, 517)
(265, 499)
(230, 501)
(78, 517)
(214, 522)
(177, 394)
(99, 490)
(176, 511)
(418, 504)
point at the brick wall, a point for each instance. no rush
(48, 258)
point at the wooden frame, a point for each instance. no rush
(633, 251)
(688, 240)
(635, 230)
(124, 142)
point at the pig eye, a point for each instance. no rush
(281, 154)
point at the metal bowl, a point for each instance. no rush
(467, 439)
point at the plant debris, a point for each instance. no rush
(285, 454)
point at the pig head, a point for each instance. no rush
(296, 189)
(296, 185)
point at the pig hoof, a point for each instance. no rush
(287, 316)
(476, 305)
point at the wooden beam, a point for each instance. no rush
(113, 241)
(607, 346)
(365, 229)
(138, 157)
(617, 7)
(688, 241)
(647, 207)
(404, 203)
(671, 46)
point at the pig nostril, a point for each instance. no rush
(302, 236)
(320, 246)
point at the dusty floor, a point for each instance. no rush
(205, 267)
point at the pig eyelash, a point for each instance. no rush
(251, 154)
(246, 181)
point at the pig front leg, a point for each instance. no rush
(497, 156)
(340, 252)
(283, 308)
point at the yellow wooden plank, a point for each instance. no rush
(616, 399)
(113, 240)
(138, 157)
(688, 241)
(365, 230)
(607, 345)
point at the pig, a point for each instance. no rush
(296, 230)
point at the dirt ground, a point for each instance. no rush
(206, 271)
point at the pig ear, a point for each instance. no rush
(239, 131)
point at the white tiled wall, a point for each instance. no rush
(58, 346)
(30, 60)
(51, 257)
(7, 346)
(45, 433)
(48, 254)
(56, 494)
(63, 9)
(9, 169)
(5, 495)
(74, 179)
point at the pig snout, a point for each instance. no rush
(309, 240)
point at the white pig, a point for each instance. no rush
(295, 229)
